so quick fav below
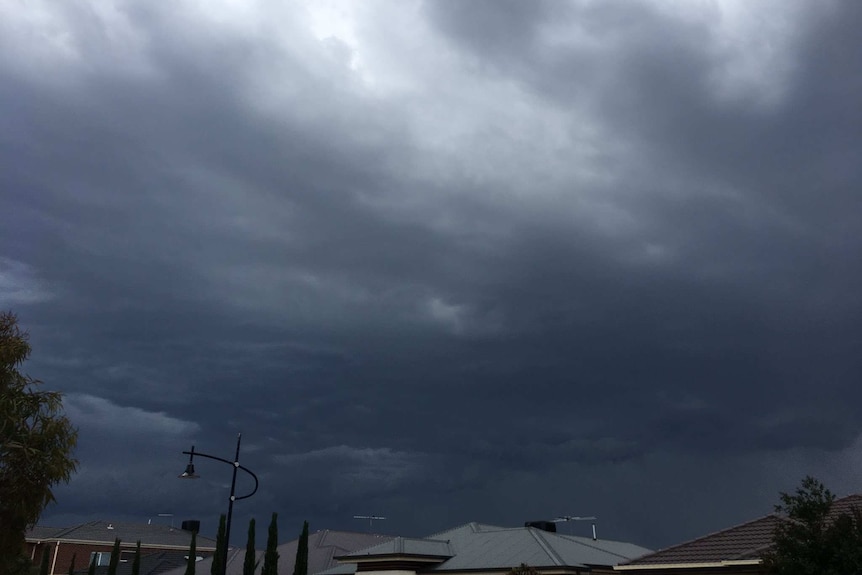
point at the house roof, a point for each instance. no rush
(104, 532)
(323, 546)
(487, 547)
(746, 542)
(740, 542)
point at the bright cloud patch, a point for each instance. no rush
(89, 411)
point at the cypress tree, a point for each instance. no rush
(190, 565)
(43, 567)
(136, 563)
(115, 558)
(300, 567)
(270, 558)
(249, 565)
(72, 564)
(219, 557)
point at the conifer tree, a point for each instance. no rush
(221, 549)
(43, 567)
(270, 558)
(115, 558)
(136, 563)
(190, 564)
(300, 567)
(249, 563)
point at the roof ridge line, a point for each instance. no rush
(545, 546)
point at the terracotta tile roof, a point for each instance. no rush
(739, 542)
(747, 541)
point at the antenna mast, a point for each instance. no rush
(567, 518)
(371, 519)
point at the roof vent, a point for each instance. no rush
(193, 525)
(549, 526)
(110, 526)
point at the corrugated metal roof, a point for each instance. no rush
(478, 546)
(129, 533)
(407, 546)
(323, 546)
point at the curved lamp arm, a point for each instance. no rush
(236, 464)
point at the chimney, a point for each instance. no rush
(549, 526)
(193, 525)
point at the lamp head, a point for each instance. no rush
(189, 473)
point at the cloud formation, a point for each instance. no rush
(443, 261)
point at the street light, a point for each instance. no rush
(189, 473)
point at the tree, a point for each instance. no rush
(136, 562)
(115, 558)
(91, 570)
(36, 445)
(249, 564)
(523, 569)
(72, 564)
(300, 566)
(219, 557)
(811, 539)
(270, 558)
(192, 559)
(44, 566)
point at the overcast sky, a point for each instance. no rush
(441, 261)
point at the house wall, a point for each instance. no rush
(61, 553)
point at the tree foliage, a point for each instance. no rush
(270, 558)
(193, 553)
(72, 564)
(523, 569)
(219, 556)
(136, 562)
(249, 564)
(813, 540)
(115, 558)
(44, 566)
(36, 444)
(300, 566)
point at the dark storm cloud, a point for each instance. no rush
(471, 262)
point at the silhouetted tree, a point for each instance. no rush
(523, 569)
(811, 541)
(43, 566)
(136, 562)
(300, 566)
(72, 564)
(115, 558)
(221, 549)
(249, 564)
(190, 564)
(270, 558)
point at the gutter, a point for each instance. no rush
(704, 565)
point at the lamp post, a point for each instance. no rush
(189, 473)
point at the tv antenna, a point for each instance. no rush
(371, 519)
(567, 518)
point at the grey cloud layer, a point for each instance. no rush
(567, 248)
